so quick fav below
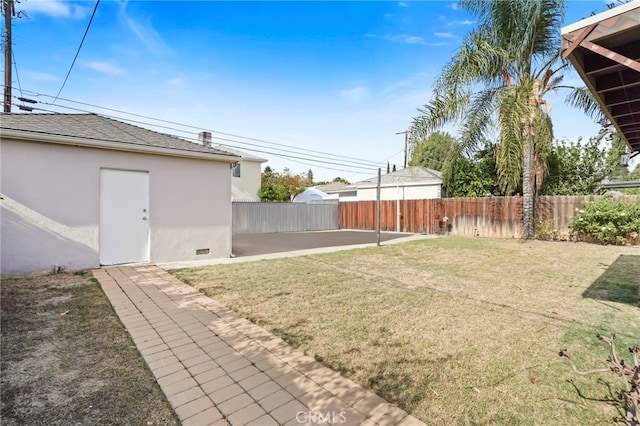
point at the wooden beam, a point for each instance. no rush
(610, 54)
(575, 43)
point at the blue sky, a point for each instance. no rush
(336, 77)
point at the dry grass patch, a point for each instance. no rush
(66, 358)
(454, 330)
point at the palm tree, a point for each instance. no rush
(497, 81)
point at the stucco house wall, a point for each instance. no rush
(50, 214)
(248, 184)
(412, 183)
(406, 192)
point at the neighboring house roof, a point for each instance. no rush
(244, 155)
(97, 131)
(405, 177)
(335, 187)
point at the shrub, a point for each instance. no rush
(545, 230)
(608, 221)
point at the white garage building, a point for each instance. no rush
(83, 190)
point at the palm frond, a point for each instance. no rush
(543, 142)
(514, 56)
(509, 152)
(481, 110)
(581, 98)
(444, 108)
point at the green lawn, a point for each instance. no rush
(453, 330)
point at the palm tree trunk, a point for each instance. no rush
(527, 187)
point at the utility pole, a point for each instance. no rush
(7, 8)
(406, 145)
(378, 226)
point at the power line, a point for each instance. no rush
(335, 159)
(199, 128)
(15, 66)
(78, 51)
(262, 151)
(358, 165)
(314, 165)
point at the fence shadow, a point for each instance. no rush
(620, 282)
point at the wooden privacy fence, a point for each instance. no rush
(499, 217)
(250, 218)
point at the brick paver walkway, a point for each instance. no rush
(217, 368)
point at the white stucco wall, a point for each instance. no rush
(414, 192)
(51, 215)
(249, 180)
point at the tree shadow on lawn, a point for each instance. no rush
(620, 282)
(397, 385)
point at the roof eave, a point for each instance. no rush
(116, 146)
(623, 8)
(253, 159)
(601, 36)
(401, 184)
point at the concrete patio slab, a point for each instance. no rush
(292, 249)
(216, 368)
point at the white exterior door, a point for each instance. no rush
(124, 217)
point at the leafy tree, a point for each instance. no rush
(633, 176)
(281, 186)
(498, 79)
(467, 180)
(475, 177)
(336, 179)
(462, 176)
(616, 171)
(310, 177)
(433, 151)
(576, 168)
(341, 180)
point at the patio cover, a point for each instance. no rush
(605, 50)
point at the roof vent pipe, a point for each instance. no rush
(205, 138)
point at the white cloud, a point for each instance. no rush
(144, 30)
(437, 44)
(103, 67)
(176, 82)
(402, 4)
(464, 23)
(41, 76)
(55, 8)
(404, 38)
(451, 24)
(355, 94)
(414, 40)
(444, 35)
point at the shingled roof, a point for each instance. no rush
(406, 177)
(102, 132)
(244, 155)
